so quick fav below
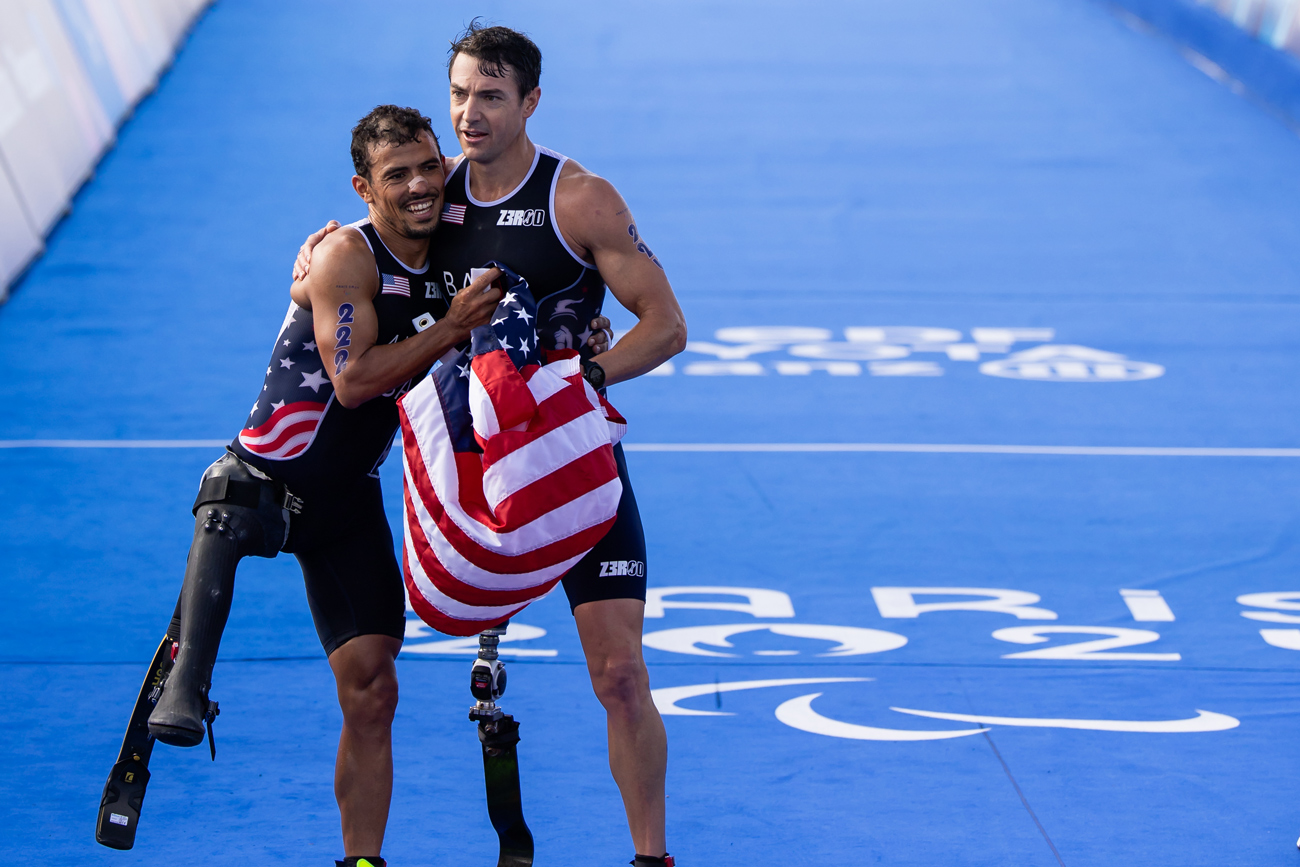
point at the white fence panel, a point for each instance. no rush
(18, 243)
(70, 72)
(51, 129)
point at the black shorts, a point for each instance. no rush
(615, 568)
(345, 547)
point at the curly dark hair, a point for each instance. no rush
(498, 50)
(389, 125)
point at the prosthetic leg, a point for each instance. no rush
(237, 514)
(119, 808)
(499, 733)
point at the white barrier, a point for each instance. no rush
(1276, 22)
(70, 72)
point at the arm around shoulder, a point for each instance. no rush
(340, 292)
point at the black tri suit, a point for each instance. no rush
(519, 230)
(328, 456)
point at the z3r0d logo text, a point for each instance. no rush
(532, 217)
(611, 568)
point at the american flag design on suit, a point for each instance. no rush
(394, 284)
(509, 474)
(295, 394)
(454, 214)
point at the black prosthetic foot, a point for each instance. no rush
(499, 734)
(505, 804)
(123, 798)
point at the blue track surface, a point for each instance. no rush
(952, 164)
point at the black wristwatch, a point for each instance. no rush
(593, 373)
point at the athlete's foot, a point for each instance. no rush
(361, 861)
(178, 718)
(652, 861)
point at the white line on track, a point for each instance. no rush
(113, 444)
(912, 448)
(969, 449)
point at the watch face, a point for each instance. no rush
(594, 374)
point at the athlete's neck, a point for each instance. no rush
(489, 181)
(411, 252)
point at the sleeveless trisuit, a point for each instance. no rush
(519, 230)
(329, 456)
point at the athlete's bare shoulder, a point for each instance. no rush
(344, 255)
(581, 187)
(588, 208)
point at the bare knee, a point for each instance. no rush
(367, 685)
(366, 677)
(369, 703)
(621, 683)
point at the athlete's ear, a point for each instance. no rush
(531, 100)
(362, 186)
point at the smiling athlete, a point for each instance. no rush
(570, 235)
(302, 476)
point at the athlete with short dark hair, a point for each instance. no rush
(570, 235)
(302, 475)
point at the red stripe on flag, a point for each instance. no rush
(553, 490)
(467, 547)
(464, 593)
(505, 387)
(552, 413)
(437, 619)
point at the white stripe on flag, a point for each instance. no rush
(568, 520)
(545, 383)
(463, 570)
(481, 411)
(551, 451)
(447, 605)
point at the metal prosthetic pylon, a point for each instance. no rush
(499, 734)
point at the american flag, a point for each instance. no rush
(454, 214)
(509, 474)
(395, 285)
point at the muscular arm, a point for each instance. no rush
(340, 294)
(596, 221)
(303, 264)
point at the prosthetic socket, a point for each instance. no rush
(238, 513)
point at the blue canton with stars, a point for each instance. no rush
(511, 328)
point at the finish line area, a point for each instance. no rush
(971, 506)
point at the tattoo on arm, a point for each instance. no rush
(640, 245)
(343, 338)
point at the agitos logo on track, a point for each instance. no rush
(904, 350)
